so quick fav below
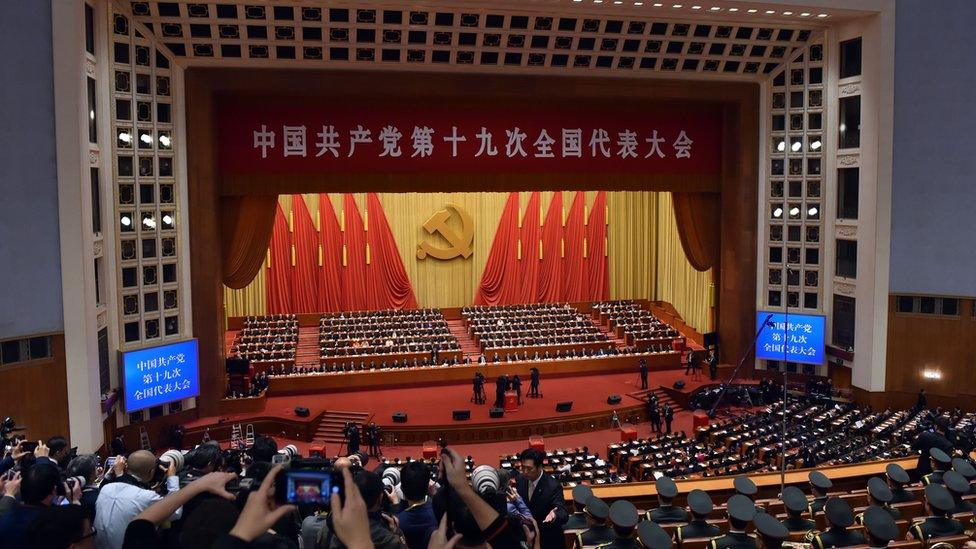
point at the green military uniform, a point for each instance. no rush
(667, 513)
(840, 517)
(701, 506)
(939, 500)
(600, 531)
(741, 510)
(596, 535)
(623, 515)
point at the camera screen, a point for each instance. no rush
(309, 487)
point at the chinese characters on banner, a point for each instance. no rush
(286, 136)
(799, 337)
(160, 375)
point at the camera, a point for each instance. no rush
(309, 481)
(285, 455)
(62, 490)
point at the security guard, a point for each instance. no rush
(599, 531)
(741, 510)
(897, 479)
(653, 536)
(666, 512)
(820, 484)
(940, 504)
(966, 469)
(772, 533)
(940, 464)
(701, 506)
(879, 495)
(577, 520)
(958, 487)
(623, 515)
(879, 527)
(839, 517)
(796, 504)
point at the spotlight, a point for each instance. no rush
(795, 210)
(126, 221)
(164, 140)
(168, 219)
(931, 374)
(149, 222)
(778, 212)
(815, 145)
(781, 146)
(795, 146)
(125, 137)
(811, 212)
(145, 138)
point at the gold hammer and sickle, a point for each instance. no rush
(461, 242)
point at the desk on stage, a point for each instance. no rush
(551, 349)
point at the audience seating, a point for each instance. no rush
(501, 330)
(267, 339)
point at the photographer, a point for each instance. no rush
(128, 495)
(417, 519)
(86, 467)
(39, 489)
(382, 530)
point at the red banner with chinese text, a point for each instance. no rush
(311, 136)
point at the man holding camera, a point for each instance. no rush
(128, 494)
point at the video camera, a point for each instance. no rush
(6, 427)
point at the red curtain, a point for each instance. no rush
(354, 257)
(278, 287)
(574, 270)
(697, 216)
(304, 282)
(246, 225)
(329, 296)
(500, 279)
(597, 265)
(550, 267)
(530, 235)
(388, 286)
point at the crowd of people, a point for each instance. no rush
(639, 326)
(539, 325)
(271, 338)
(366, 333)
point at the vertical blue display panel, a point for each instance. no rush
(160, 375)
(800, 337)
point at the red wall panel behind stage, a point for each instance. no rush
(306, 135)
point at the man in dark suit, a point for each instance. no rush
(534, 382)
(544, 496)
(643, 373)
(928, 440)
(655, 416)
(668, 417)
(713, 365)
(517, 387)
(500, 384)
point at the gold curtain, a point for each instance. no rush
(678, 282)
(646, 257)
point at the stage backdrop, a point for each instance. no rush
(646, 259)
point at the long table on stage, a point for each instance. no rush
(389, 357)
(405, 377)
(489, 352)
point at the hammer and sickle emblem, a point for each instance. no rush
(461, 242)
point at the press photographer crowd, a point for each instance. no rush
(263, 496)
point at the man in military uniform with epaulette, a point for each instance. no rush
(879, 527)
(897, 479)
(741, 510)
(839, 517)
(796, 504)
(958, 487)
(939, 503)
(701, 506)
(599, 531)
(820, 484)
(577, 519)
(771, 531)
(652, 536)
(623, 515)
(666, 513)
(940, 464)
(966, 469)
(879, 495)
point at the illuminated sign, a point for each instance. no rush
(159, 375)
(793, 337)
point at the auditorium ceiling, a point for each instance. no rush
(697, 39)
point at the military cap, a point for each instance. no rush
(653, 536)
(839, 512)
(880, 524)
(964, 468)
(581, 493)
(597, 508)
(700, 502)
(940, 456)
(623, 514)
(897, 473)
(741, 508)
(939, 498)
(879, 490)
(820, 480)
(770, 527)
(795, 499)
(666, 487)
(955, 482)
(745, 486)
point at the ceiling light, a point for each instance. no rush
(168, 219)
(676, 6)
(716, 8)
(125, 221)
(778, 212)
(811, 212)
(787, 13)
(638, 3)
(658, 4)
(805, 14)
(91, 114)
(125, 137)
(931, 374)
(815, 145)
(843, 127)
(770, 12)
(795, 146)
(781, 146)
(733, 9)
(164, 140)
(145, 138)
(149, 222)
(696, 7)
(618, 2)
(752, 10)
(822, 15)
(795, 210)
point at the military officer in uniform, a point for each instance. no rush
(820, 484)
(745, 486)
(940, 464)
(741, 510)
(653, 536)
(938, 502)
(965, 469)
(597, 512)
(879, 527)
(577, 519)
(796, 504)
(623, 515)
(958, 487)
(897, 479)
(701, 506)
(839, 517)
(666, 513)
(879, 495)
(771, 532)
